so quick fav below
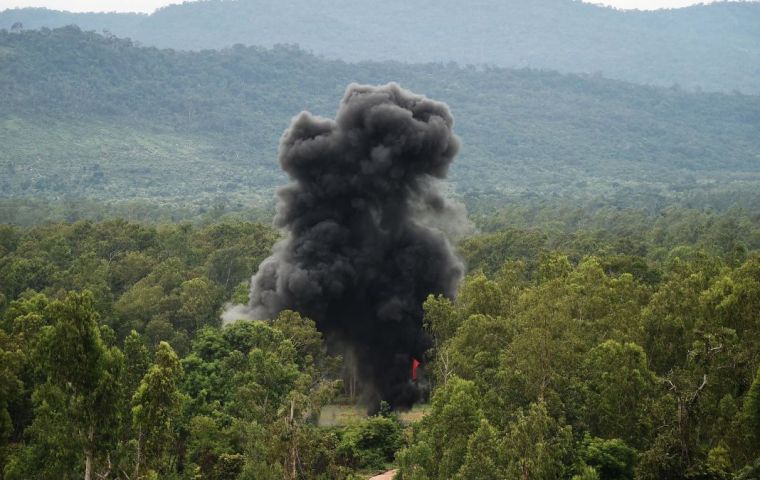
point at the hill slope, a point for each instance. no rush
(82, 115)
(713, 47)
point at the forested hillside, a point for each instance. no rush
(592, 312)
(613, 347)
(713, 47)
(90, 117)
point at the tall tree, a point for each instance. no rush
(620, 389)
(82, 380)
(751, 415)
(482, 459)
(156, 405)
(537, 446)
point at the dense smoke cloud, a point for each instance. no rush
(360, 254)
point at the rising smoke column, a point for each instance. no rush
(357, 257)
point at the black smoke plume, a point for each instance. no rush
(358, 257)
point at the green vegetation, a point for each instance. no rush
(586, 361)
(713, 47)
(607, 327)
(93, 126)
(604, 344)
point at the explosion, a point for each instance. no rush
(359, 254)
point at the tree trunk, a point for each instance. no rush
(88, 454)
(294, 451)
(138, 459)
(87, 465)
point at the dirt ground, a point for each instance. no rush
(341, 415)
(385, 476)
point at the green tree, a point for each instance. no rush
(482, 461)
(537, 447)
(211, 452)
(303, 334)
(751, 416)
(371, 443)
(610, 459)
(11, 387)
(200, 300)
(440, 446)
(81, 381)
(156, 405)
(136, 361)
(621, 391)
(586, 473)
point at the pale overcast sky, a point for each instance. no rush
(150, 5)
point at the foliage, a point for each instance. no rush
(575, 354)
(94, 126)
(580, 365)
(612, 459)
(371, 443)
(156, 403)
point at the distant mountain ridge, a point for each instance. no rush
(88, 116)
(714, 47)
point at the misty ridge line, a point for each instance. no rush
(714, 47)
(120, 8)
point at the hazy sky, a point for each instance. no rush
(150, 5)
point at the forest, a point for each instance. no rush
(604, 345)
(524, 274)
(711, 47)
(95, 127)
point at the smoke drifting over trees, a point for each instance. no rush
(359, 257)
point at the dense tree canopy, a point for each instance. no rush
(573, 350)
(160, 134)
